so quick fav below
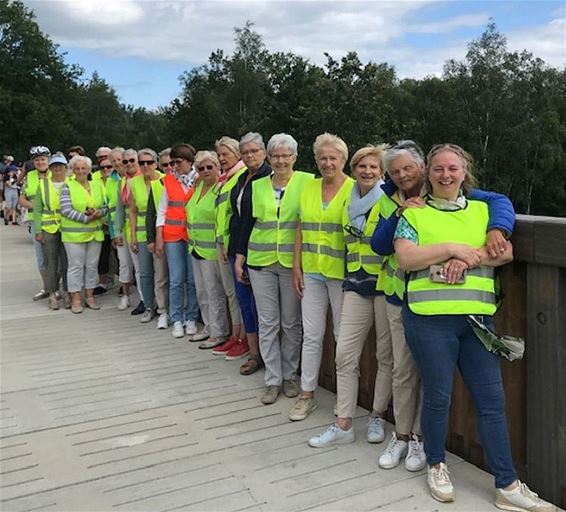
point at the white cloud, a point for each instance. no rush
(187, 31)
(547, 42)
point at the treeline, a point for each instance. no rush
(506, 108)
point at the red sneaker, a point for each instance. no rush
(225, 347)
(239, 350)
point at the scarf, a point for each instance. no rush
(359, 206)
(125, 194)
(228, 174)
(445, 204)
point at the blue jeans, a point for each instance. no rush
(439, 343)
(246, 300)
(38, 247)
(183, 303)
(147, 285)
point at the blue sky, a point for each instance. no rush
(141, 47)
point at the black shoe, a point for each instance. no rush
(6, 222)
(99, 290)
(140, 308)
(1, 214)
(15, 223)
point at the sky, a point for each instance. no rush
(141, 47)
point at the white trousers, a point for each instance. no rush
(317, 296)
(82, 269)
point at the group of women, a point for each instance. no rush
(262, 250)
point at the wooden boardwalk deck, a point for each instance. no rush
(99, 412)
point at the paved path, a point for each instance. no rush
(99, 412)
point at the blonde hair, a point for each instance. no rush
(77, 159)
(466, 160)
(328, 139)
(370, 150)
(203, 156)
(232, 144)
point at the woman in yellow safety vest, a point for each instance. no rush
(140, 189)
(451, 276)
(268, 253)
(47, 219)
(318, 268)
(83, 206)
(365, 306)
(201, 218)
(231, 167)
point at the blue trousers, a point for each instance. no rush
(439, 344)
(246, 300)
(183, 303)
(147, 281)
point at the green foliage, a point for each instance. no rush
(506, 108)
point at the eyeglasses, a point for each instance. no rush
(105, 167)
(251, 152)
(143, 163)
(280, 157)
(178, 161)
(130, 161)
(207, 167)
(168, 164)
(354, 231)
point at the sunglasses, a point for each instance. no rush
(105, 167)
(207, 167)
(178, 161)
(146, 162)
(130, 161)
(168, 164)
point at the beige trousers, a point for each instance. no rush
(397, 374)
(161, 283)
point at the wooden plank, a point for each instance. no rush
(546, 360)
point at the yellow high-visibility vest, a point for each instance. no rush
(51, 212)
(273, 236)
(77, 232)
(224, 209)
(323, 248)
(140, 193)
(467, 226)
(201, 216)
(358, 250)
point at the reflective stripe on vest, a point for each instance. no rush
(30, 189)
(391, 279)
(51, 212)
(272, 239)
(359, 252)
(201, 217)
(78, 232)
(324, 246)
(224, 209)
(468, 226)
(175, 228)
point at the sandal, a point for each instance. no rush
(252, 365)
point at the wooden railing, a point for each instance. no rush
(535, 309)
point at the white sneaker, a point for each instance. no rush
(124, 303)
(416, 458)
(392, 455)
(521, 499)
(163, 321)
(147, 316)
(332, 435)
(191, 327)
(376, 430)
(439, 483)
(178, 331)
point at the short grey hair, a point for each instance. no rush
(147, 151)
(128, 152)
(117, 149)
(203, 156)
(165, 152)
(282, 140)
(254, 137)
(78, 159)
(402, 148)
(102, 149)
(232, 144)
